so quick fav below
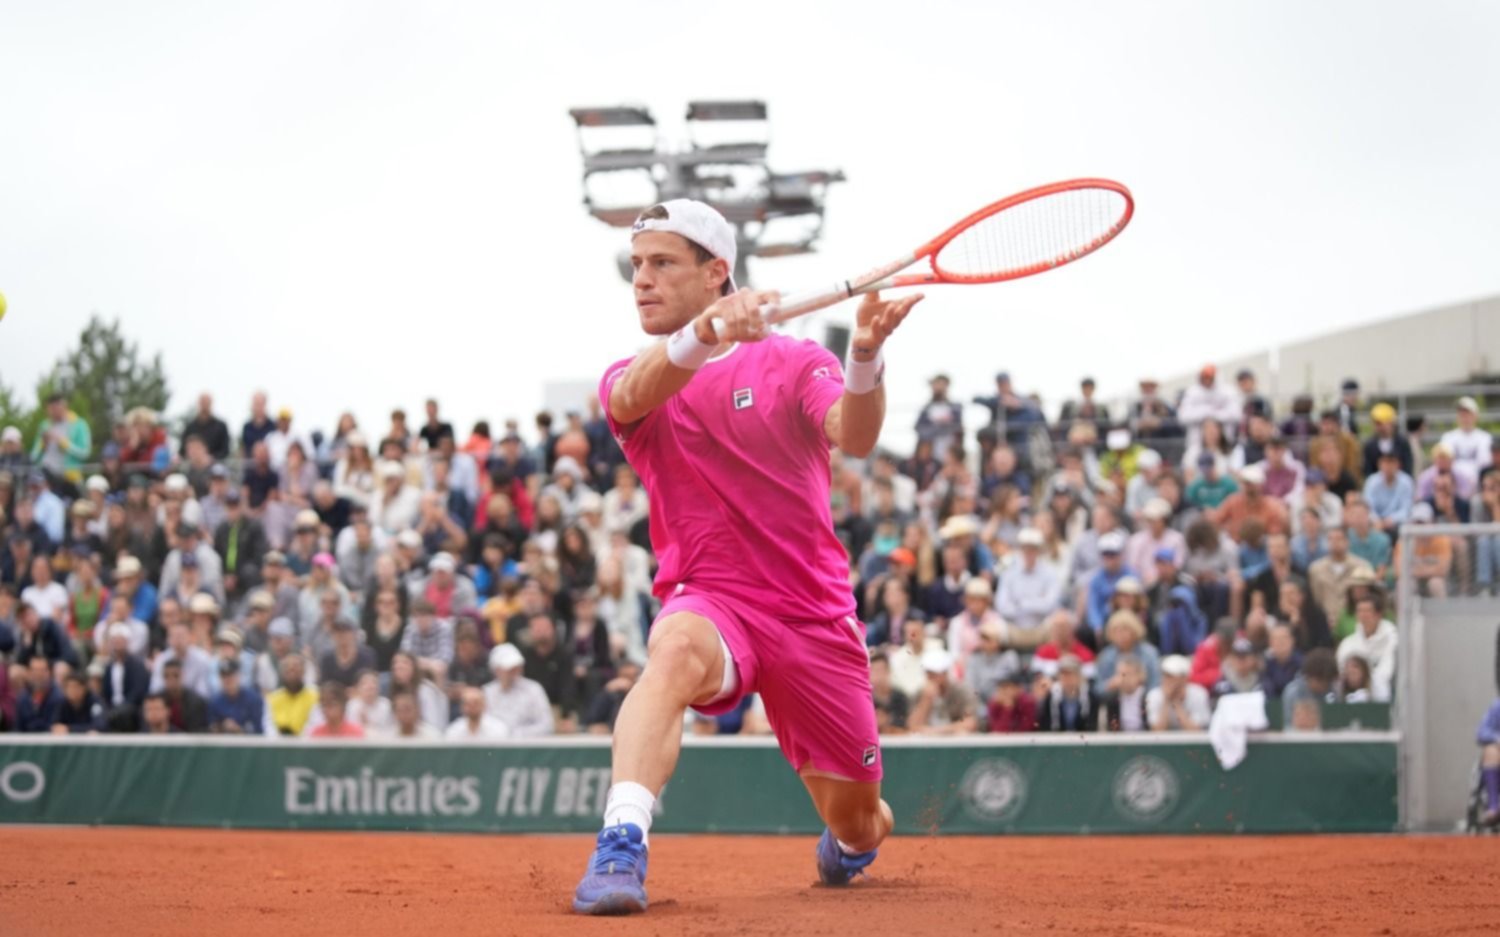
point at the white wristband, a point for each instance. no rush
(861, 377)
(685, 351)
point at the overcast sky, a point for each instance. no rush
(356, 205)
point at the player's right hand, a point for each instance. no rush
(738, 315)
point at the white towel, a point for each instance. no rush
(1237, 715)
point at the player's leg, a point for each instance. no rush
(1489, 766)
(686, 664)
(856, 816)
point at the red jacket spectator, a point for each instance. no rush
(1019, 716)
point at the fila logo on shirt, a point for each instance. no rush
(822, 373)
(743, 398)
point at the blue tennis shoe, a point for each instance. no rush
(615, 882)
(836, 867)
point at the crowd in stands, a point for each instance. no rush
(1097, 572)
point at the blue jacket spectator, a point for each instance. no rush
(40, 705)
(1184, 626)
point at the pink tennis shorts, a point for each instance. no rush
(813, 677)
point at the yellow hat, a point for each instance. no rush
(1383, 413)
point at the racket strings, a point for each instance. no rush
(1033, 235)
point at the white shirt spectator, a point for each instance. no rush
(1470, 448)
(489, 729)
(376, 718)
(523, 708)
(197, 671)
(1027, 596)
(50, 601)
(398, 513)
(140, 636)
(1201, 403)
(1195, 701)
(1379, 651)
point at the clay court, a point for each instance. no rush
(129, 882)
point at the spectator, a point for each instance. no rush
(1375, 641)
(1390, 491)
(1182, 627)
(1329, 577)
(1179, 704)
(1070, 706)
(549, 663)
(1468, 445)
(943, 707)
(940, 422)
(895, 613)
(1370, 544)
(368, 709)
(1063, 630)
(1309, 544)
(1125, 705)
(236, 709)
(1354, 681)
(189, 710)
(281, 644)
(1316, 497)
(1212, 485)
(1029, 589)
(475, 724)
(1383, 416)
(520, 703)
(348, 658)
(1463, 479)
(1488, 738)
(333, 706)
(1094, 602)
(1141, 489)
(1212, 450)
(40, 705)
(1332, 435)
(408, 719)
(430, 640)
(81, 712)
(405, 677)
(1208, 657)
(1485, 509)
(156, 717)
(892, 707)
(907, 673)
(1251, 502)
(241, 541)
(977, 613)
(1432, 556)
(1126, 636)
(45, 594)
(126, 677)
(1205, 400)
(395, 505)
(130, 584)
(1151, 417)
(1010, 708)
(290, 706)
(944, 599)
(1154, 537)
(1282, 662)
(449, 594)
(990, 663)
(63, 442)
(1313, 687)
(1240, 672)
(1251, 401)
(604, 706)
(41, 637)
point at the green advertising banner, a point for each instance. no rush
(1112, 784)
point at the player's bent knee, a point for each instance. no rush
(682, 653)
(864, 830)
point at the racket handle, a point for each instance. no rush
(797, 304)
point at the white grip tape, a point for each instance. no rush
(861, 377)
(685, 351)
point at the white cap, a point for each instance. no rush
(1117, 439)
(1029, 537)
(441, 561)
(1421, 513)
(1112, 542)
(1253, 475)
(937, 660)
(409, 538)
(696, 221)
(389, 468)
(97, 483)
(10, 434)
(1148, 460)
(1175, 665)
(176, 482)
(506, 657)
(307, 517)
(1469, 404)
(1157, 509)
(590, 503)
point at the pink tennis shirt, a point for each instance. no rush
(736, 467)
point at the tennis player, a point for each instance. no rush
(729, 427)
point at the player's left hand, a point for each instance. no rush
(876, 320)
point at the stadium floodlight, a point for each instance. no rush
(724, 164)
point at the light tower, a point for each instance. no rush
(627, 167)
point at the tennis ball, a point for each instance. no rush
(2, 305)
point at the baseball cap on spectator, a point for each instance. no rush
(590, 503)
(441, 561)
(285, 413)
(1421, 513)
(903, 556)
(1206, 460)
(261, 599)
(10, 434)
(97, 483)
(218, 471)
(228, 665)
(1242, 646)
(409, 538)
(282, 628)
(1383, 413)
(97, 668)
(959, 525)
(1315, 477)
(175, 483)
(1165, 555)
(187, 530)
(232, 496)
(1129, 585)
(110, 452)
(188, 560)
(1349, 385)
(1157, 509)
(126, 567)
(937, 660)
(1175, 665)
(324, 560)
(1069, 663)
(1469, 404)
(1117, 439)
(506, 657)
(567, 465)
(978, 587)
(82, 508)
(306, 519)
(389, 468)
(1253, 475)
(1149, 459)
(230, 636)
(274, 558)
(1030, 537)
(1112, 542)
(37, 478)
(202, 604)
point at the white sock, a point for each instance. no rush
(629, 802)
(845, 848)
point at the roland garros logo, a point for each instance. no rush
(993, 790)
(22, 782)
(1145, 789)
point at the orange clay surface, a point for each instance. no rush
(121, 882)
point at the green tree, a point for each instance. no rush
(103, 379)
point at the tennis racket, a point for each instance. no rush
(1028, 233)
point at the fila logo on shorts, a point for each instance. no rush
(869, 756)
(743, 398)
